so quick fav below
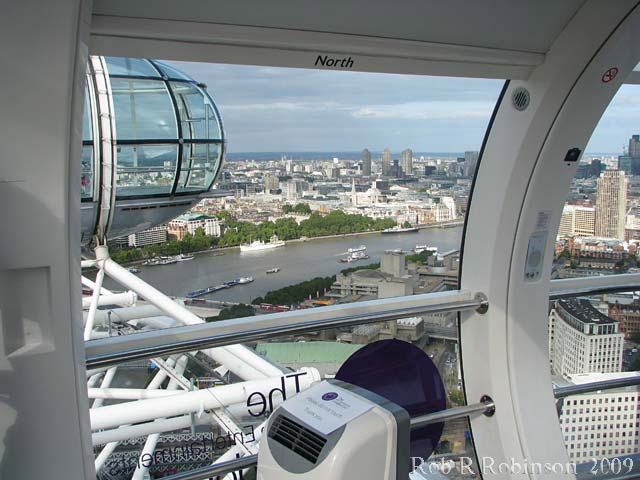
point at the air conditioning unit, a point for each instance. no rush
(337, 431)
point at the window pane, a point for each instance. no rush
(196, 113)
(594, 339)
(86, 171)
(600, 225)
(199, 164)
(170, 72)
(143, 110)
(145, 169)
(343, 187)
(87, 123)
(130, 66)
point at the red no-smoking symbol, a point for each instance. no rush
(609, 75)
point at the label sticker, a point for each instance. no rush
(542, 222)
(326, 407)
(535, 256)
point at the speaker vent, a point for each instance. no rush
(520, 98)
(297, 438)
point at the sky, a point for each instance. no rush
(269, 109)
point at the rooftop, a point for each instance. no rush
(583, 310)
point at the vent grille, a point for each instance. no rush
(297, 438)
(521, 98)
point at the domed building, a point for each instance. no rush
(153, 145)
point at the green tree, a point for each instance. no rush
(236, 311)
(302, 209)
(456, 397)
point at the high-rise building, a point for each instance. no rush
(271, 182)
(583, 340)
(407, 161)
(470, 162)
(624, 163)
(386, 162)
(396, 169)
(595, 167)
(583, 170)
(630, 162)
(634, 146)
(577, 220)
(430, 169)
(611, 204)
(366, 162)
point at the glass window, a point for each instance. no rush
(600, 226)
(87, 167)
(136, 67)
(197, 115)
(361, 222)
(170, 72)
(87, 123)
(143, 110)
(199, 164)
(145, 169)
(86, 172)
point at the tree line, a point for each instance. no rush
(190, 243)
(334, 223)
(238, 232)
(300, 292)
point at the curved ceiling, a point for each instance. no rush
(503, 24)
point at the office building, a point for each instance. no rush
(407, 162)
(189, 223)
(627, 315)
(150, 236)
(386, 162)
(611, 204)
(271, 182)
(602, 423)
(366, 162)
(583, 340)
(470, 163)
(577, 220)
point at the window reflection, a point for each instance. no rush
(198, 168)
(196, 113)
(143, 110)
(146, 169)
(86, 169)
(130, 67)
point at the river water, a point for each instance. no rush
(298, 261)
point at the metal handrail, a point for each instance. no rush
(115, 350)
(576, 287)
(485, 406)
(565, 391)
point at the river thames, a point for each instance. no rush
(298, 261)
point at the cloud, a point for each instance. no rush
(434, 110)
(294, 109)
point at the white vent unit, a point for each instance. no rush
(336, 430)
